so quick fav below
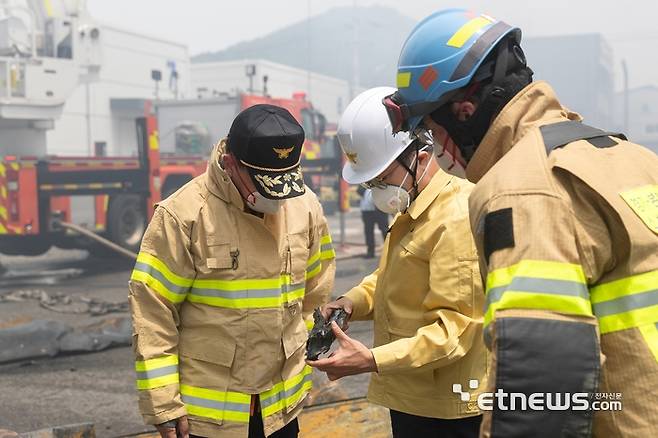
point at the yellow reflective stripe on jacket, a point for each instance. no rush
(314, 265)
(235, 406)
(325, 252)
(217, 405)
(246, 294)
(156, 275)
(538, 284)
(650, 335)
(626, 303)
(286, 393)
(154, 373)
(326, 248)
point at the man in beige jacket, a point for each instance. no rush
(426, 295)
(565, 216)
(230, 269)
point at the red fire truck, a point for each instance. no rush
(114, 196)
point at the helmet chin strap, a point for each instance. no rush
(414, 172)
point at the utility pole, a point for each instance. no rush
(308, 51)
(354, 87)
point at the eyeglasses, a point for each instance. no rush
(378, 182)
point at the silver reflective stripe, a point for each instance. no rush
(246, 293)
(290, 287)
(540, 286)
(150, 270)
(274, 398)
(626, 303)
(326, 247)
(237, 294)
(158, 372)
(314, 265)
(214, 404)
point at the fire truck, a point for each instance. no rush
(114, 196)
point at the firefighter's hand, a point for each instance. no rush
(352, 357)
(181, 430)
(341, 303)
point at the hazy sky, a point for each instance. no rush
(208, 25)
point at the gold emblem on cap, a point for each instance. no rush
(352, 156)
(283, 153)
(273, 185)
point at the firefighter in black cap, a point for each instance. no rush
(230, 269)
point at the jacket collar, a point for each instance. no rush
(219, 183)
(533, 106)
(436, 185)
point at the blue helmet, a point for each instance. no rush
(440, 56)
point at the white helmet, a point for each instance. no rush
(366, 136)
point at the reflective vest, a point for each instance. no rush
(567, 233)
(221, 300)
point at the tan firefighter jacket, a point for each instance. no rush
(567, 233)
(221, 300)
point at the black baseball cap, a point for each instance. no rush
(268, 142)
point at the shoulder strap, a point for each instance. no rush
(561, 134)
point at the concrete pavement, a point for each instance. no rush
(99, 387)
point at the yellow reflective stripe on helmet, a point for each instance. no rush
(626, 303)
(464, 33)
(403, 79)
(156, 275)
(286, 393)
(217, 405)
(154, 373)
(537, 284)
(650, 335)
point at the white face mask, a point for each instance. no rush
(394, 199)
(446, 157)
(261, 204)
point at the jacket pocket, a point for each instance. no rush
(294, 329)
(219, 256)
(205, 372)
(298, 253)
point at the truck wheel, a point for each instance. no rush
(126, 221)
